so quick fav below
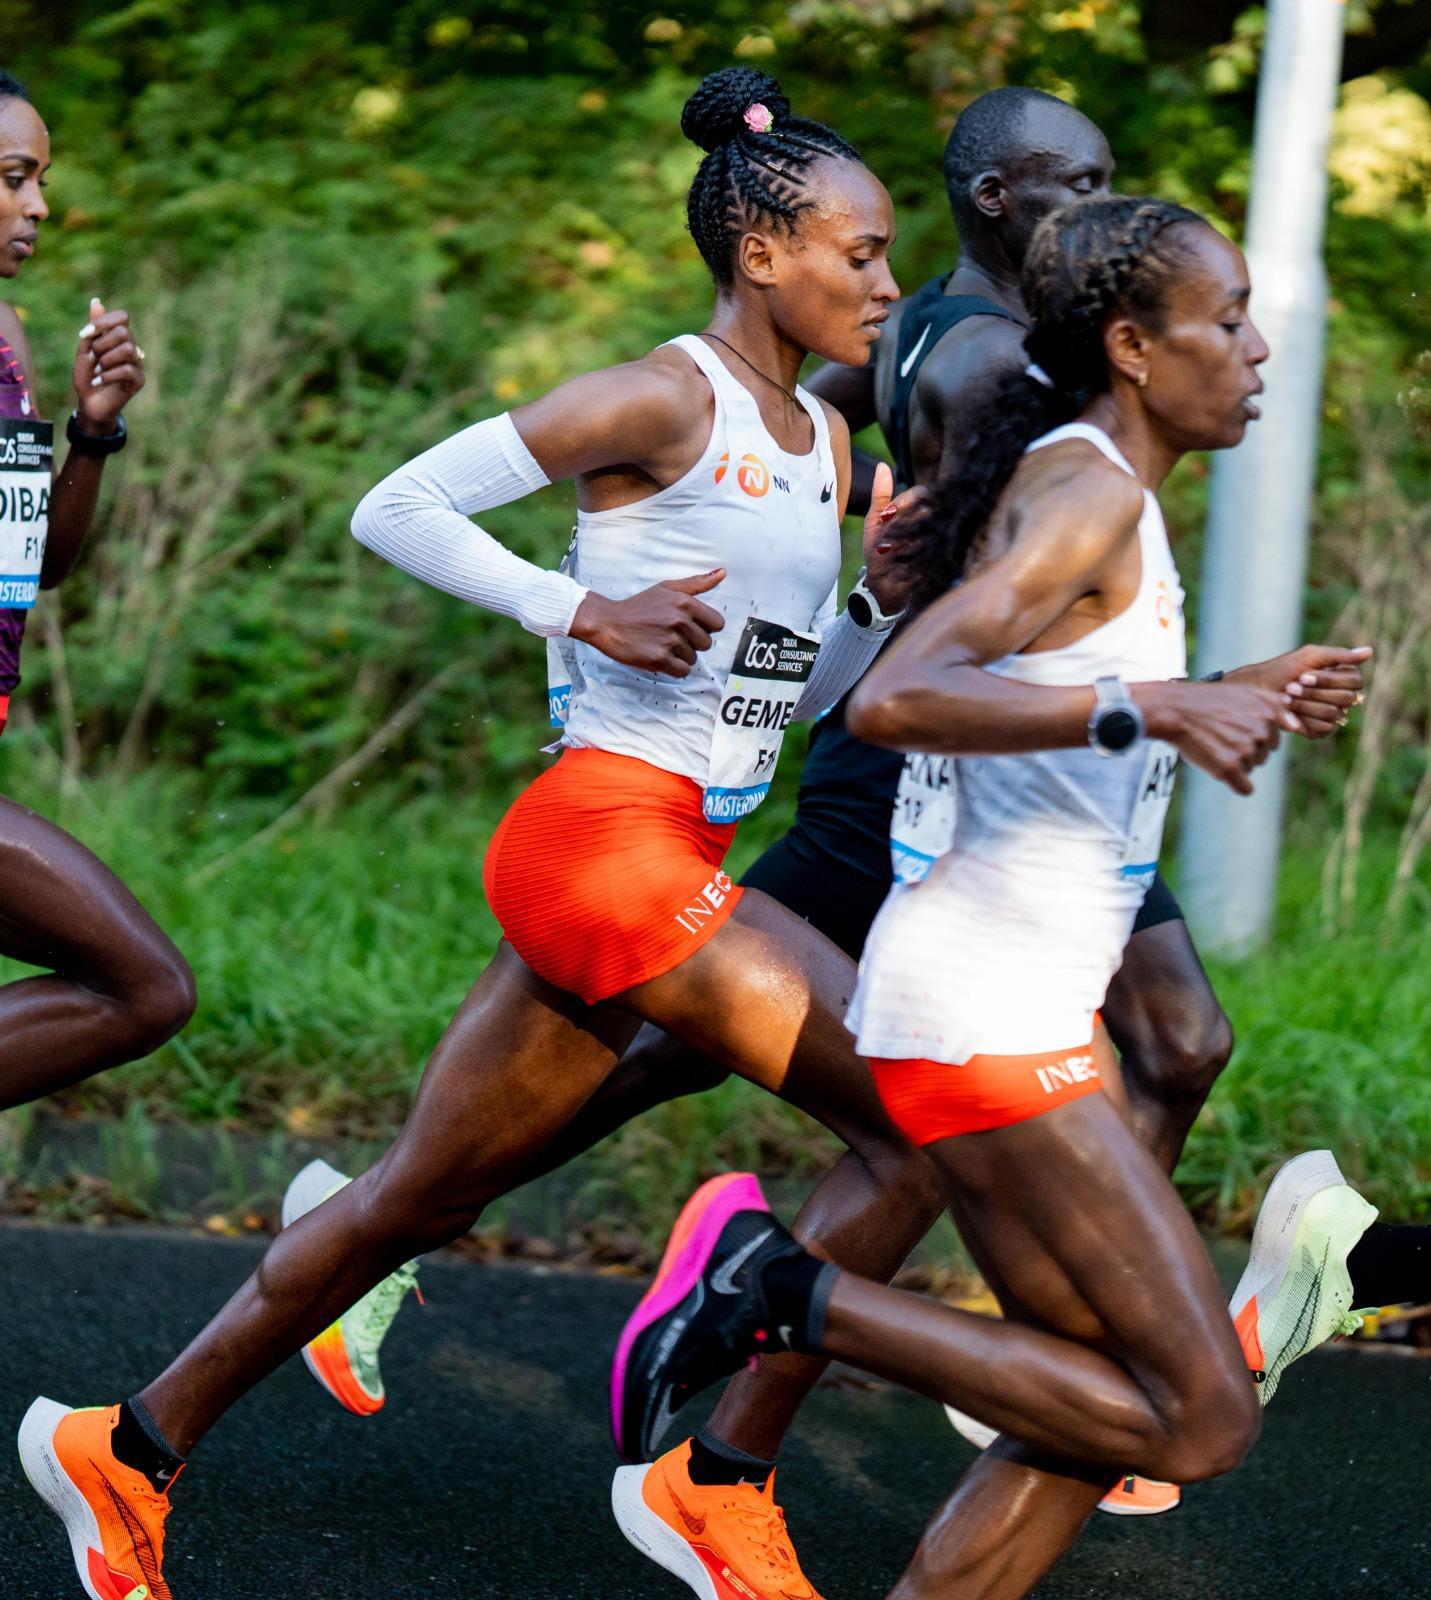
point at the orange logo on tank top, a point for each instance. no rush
(752, 474)
(1163, 605)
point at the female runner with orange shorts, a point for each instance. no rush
(698, 620)
(1054, 671)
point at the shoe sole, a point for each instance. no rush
(650, 1535)
(56, 1488)
(1293, 1192)
(693, 1238)
(326, 1357)
(1139, 1511)
(309, 1189)
(979, 1434)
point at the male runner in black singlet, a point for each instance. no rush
(1015, 155)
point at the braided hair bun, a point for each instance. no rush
(757, 167)
(715, 113)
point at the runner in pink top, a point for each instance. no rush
(111, 988)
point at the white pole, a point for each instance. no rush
(1254, 568)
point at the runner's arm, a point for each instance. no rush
(957, 382)
(76, 485)
(931, 692)
(847, 649)
(639, 417)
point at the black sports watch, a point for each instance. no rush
(95, 444)
(1116, 723)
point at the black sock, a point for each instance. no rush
(797, 1291)
(715, 1461)
(1391, 1264)
(138, 1443)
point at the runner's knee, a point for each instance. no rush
(1209, 1432)
(420, 1205)
(153, 999)
(165, 1001)
(907, 1177)
(1181, 1063)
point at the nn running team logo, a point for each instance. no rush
(751, 474)
(1163, 604)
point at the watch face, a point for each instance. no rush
(859, 609)
(1116, 729)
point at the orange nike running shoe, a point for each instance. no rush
(113, 1516)
(726, 1541)
(1141, 1497)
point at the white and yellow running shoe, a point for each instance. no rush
(344, 1357)
(1296, 1292)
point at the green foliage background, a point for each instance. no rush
(342, 231)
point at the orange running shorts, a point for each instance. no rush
(932, 1100)
(605, 873)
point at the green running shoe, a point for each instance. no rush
(344, 1357)
(1296, 1292)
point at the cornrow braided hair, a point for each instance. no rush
(749, 176)
(1085, 262)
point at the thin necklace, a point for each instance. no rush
(792, 398)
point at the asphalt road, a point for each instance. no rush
(487, 1475)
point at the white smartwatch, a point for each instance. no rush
(864, 608)
(1116, 723)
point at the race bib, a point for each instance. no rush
(771, 668)
(27, 450)
(1150, 810)
(925, 806)
(562, 668)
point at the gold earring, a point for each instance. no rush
(1142, 380)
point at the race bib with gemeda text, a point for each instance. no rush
(771, 668)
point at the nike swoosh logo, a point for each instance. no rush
(913, 356)
(696, 1525)
(826, 492)
(723, 1281)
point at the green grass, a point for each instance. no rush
(330, 959)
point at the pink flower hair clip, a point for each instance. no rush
(759, 118)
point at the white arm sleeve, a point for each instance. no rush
(846, 651)
(417, 518)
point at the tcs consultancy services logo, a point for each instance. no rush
(752, 474)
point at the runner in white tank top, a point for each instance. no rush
(1038, 572)
(606, 873)
(1008, 945)
(769, 518)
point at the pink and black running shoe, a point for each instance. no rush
(705, 1314)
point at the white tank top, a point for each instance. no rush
(771, 519)
(1007, 946)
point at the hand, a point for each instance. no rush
(889, 579)
(658, 630)
(1225, 728)
(109, 369)
(1319, 684)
